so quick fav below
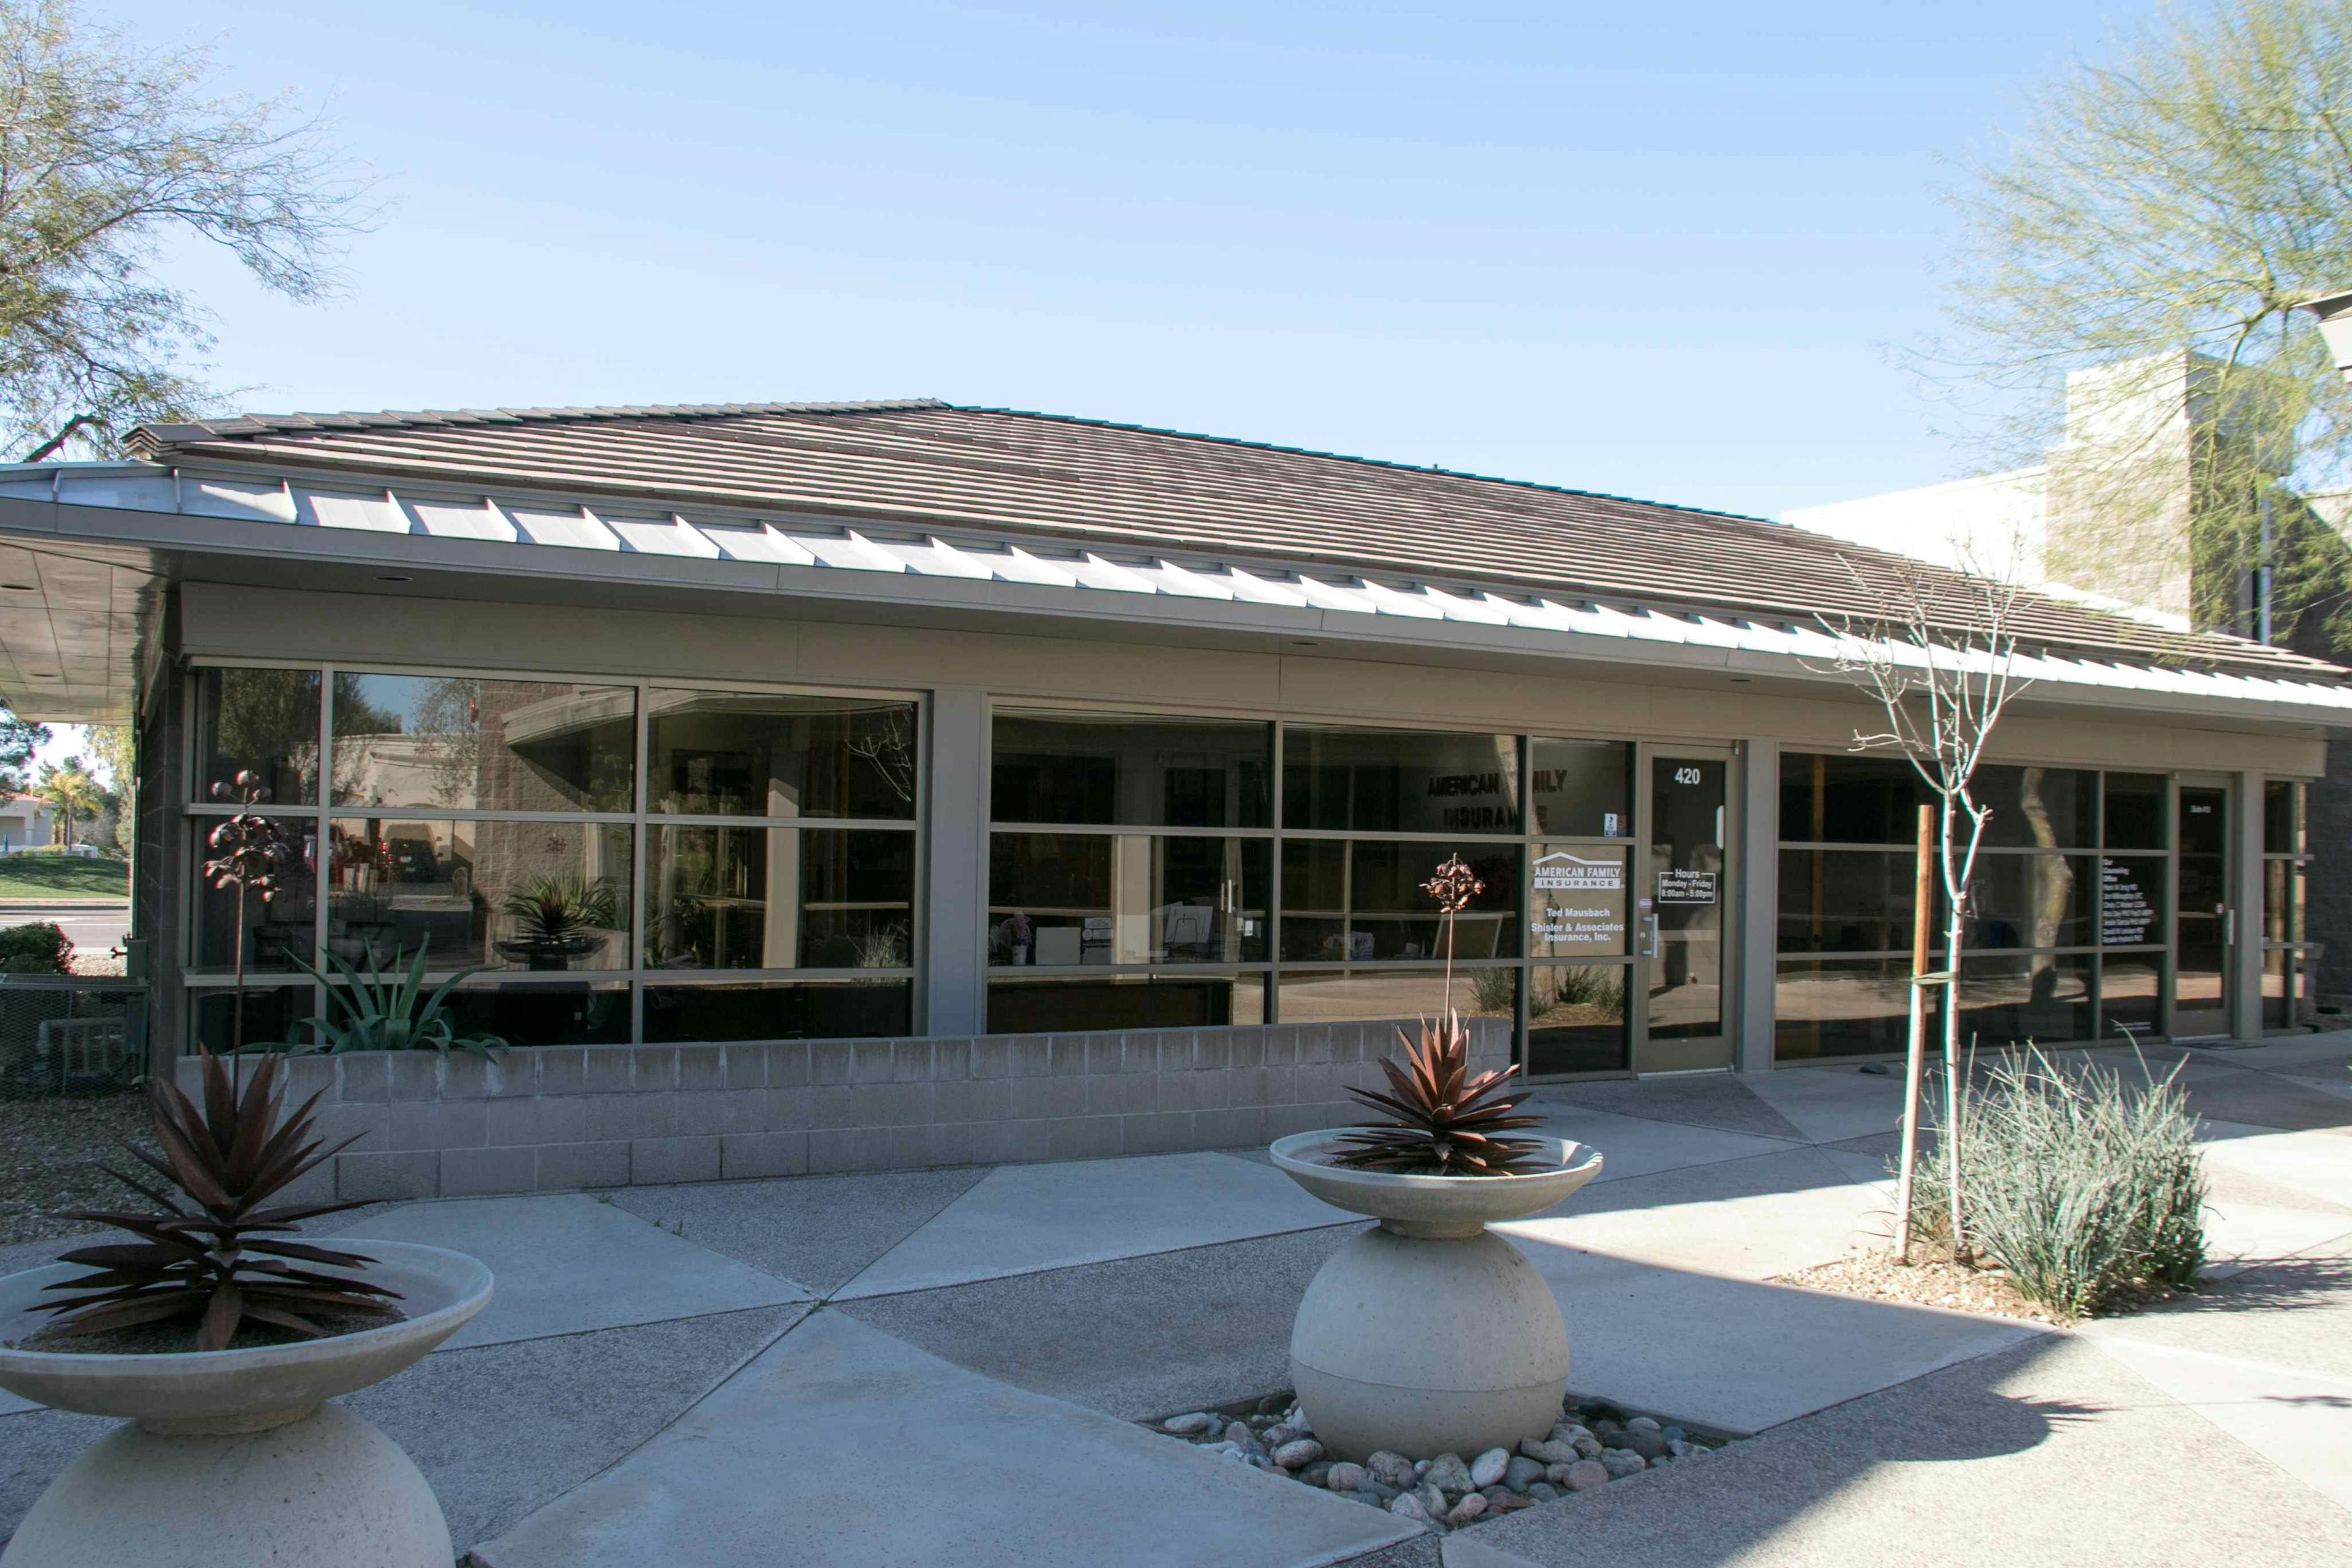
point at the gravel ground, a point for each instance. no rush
(1937, 1283)
(47, 1150)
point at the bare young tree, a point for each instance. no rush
(107, 151)
(1939, 654)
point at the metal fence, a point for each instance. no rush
(70, 1033)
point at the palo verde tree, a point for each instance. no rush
(107, 152)
(2130, 262)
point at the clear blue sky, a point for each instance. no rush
(1659, 250)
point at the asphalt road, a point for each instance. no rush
(88, 925)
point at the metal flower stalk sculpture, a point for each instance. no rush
(250, 852)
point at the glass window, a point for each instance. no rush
(1353, 995)
(1363, 901)
(2038, 808)
(1576, 1018)
(2030, 901)
(1576, 901)
(1061, 898)
(778, 898)
(1850, 799)
(2131, 986)
(452, 742)
(2282, 881)
(2282, 818)
(559, 1014)
(1852, 900)
(2278, 988)
(2005, 999)
(1041, 1006)
(1127, 771)
(1399, 781)
(2137, 812)
(543, 896)
(2131, 899)
(798, 1010)
(1582, 789)
(260, 721)
(1843, 1007)
(276, 932)
(746, 753)
(273, 1015)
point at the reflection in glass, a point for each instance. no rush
(1124, 1002)
(1129, 771)
(1576, 1018)
(1849, 900)
(2038, 808)
(2278, 988)
(779, 898)
(2131, 987)
(260, 721)
(2202, 912)
(1843, 1007)
(1062, 899)
(749, 753)
(1686, 860)
(1352, 995)
(1849, 799)
(2131, 899)
(1354, 902)
(1582, 789)
(275, 932)
(800, 1010)
(2030, 901)
(2044, 997)
(545, 896)
(2283, 817)
(1399, 781)
(273, 1013)
(2282, 901)
(2136, 812)
(547, 1014)
(453, 742)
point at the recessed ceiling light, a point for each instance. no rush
(20, 587)
(36, 675)
(392, 578)
(1305, 642)
(1741, 679)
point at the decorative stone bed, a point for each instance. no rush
(1592, 1444)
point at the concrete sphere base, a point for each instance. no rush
(1427, 1347)
(326, 1491)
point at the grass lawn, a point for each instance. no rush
(34, 875)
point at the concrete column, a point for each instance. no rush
(2244, 976)
(1759, 882)
(956, 865)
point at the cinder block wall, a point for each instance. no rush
(563, 1118)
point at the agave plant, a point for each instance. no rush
(551, 909)
(1441, 1121)
(380, 1012)
(213, 1254)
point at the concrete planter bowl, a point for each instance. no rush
(1428, 1335)
(233, 1457)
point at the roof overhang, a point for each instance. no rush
(89, 549)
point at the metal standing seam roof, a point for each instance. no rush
(1270, 519)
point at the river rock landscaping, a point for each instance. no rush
(1592, 1444)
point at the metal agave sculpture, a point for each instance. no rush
(250, 851)
(213, 1253)
(1441, 1121)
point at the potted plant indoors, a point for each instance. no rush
(220, 1332)
(1428, 1335)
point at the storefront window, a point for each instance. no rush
(1342, 996)
(538, 895)
(1121, 771)
(1582, 789)
(1062, 899)
(778, 898)
(458, 743)
(810, 1009)
(1043, 1006)
(754, 754)
(263, 721)
(1399, 781)
(1576, 1018)
(1363, 901)
(1843, 1007)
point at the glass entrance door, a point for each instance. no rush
(1685, 891)
(2202, 921)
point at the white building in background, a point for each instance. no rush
(24, 824)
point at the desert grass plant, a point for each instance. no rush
(214, 1253)
(1440, 1121)
(376, 1011)
(2084, 1187)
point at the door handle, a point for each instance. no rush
(1649, 937)
(2229, 928)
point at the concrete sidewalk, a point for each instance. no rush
(945, 1365)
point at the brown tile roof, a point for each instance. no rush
(921, 462)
